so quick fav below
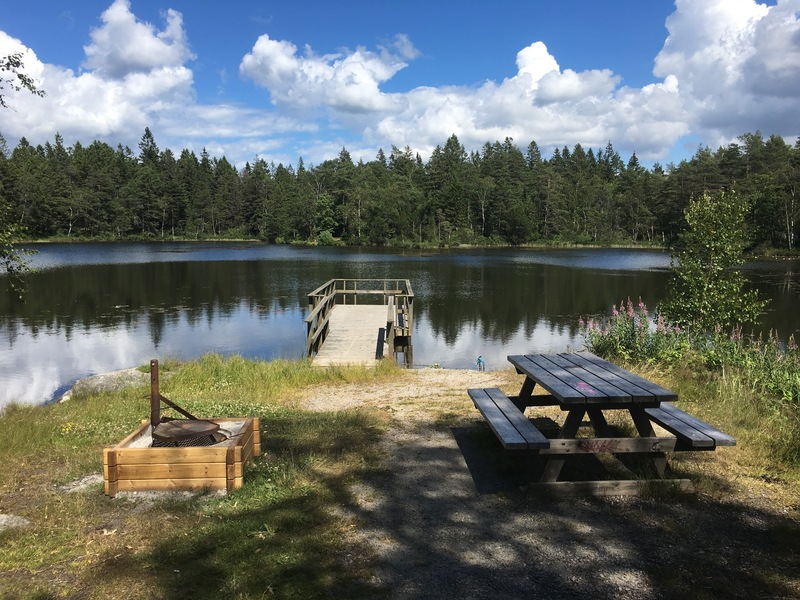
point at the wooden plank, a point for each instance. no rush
(131, 456)
(613, 445)
(320, 328)
(351, 335)
(720, 438)
(612, 389)
(320, 289)
(660, 392)
(256, 428)
(109, 472)
(246, 443)
(575, 379)
(634, 392)
(498, 423)
(171, 471)
(683, 430)
(547, 380)
(622, 487)
(526, 429)
(381, 342)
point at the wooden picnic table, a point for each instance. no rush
(582, 384)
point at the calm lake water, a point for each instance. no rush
(94, 308)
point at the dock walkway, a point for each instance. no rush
(358, 321)
(353, 335)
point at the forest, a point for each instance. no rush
(498, 195)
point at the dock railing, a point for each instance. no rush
(396, 294)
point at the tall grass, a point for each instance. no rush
(756, 378)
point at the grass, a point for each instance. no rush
(278, 533)
(284, 533)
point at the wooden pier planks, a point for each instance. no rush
(352, 334)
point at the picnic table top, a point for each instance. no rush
(585, 379)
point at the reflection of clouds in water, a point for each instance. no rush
(430, 348)
(44, 363)
(35, 367)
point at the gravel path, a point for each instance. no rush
(448, 517)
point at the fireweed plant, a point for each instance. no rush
(631, 333)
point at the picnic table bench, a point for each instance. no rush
(582, 384)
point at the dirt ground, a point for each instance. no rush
(449, 516)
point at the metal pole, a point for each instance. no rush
(155, 395)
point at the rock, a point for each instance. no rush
(13, 521)
(114, 380)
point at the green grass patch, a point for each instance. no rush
(279, 536)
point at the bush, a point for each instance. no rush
(706, 289)
(326, 239)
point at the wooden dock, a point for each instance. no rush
(359, 321)
(353, 335)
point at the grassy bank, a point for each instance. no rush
(284, 533)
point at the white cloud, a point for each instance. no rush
(727, 67)
(737, 64)
(540, 103)
(536, 62)
(347, 81)
(570, 86)
(124, 45)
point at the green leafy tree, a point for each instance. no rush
(13, 77)
(706, 291)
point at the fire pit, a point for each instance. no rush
(181, 454)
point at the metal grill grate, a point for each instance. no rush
(203, 440)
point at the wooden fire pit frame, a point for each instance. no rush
(217, 467)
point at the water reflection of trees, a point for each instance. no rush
(109, 296)
(490, 295)
(501, 300)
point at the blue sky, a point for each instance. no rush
(281, 81)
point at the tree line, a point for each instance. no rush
(497, 195)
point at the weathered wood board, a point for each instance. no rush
(352, 335)
(127, 468)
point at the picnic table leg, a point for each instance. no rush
(521, 401)
(645, 429)
(599, 422)
(555, 462)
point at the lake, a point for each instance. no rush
(94, 308)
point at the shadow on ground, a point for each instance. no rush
(445, 518)
(450, 521)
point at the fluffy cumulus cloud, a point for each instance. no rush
(544, 103)
(123, 45)
(347, 81)
(727, 67)
(134, 78)
(737, 63)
